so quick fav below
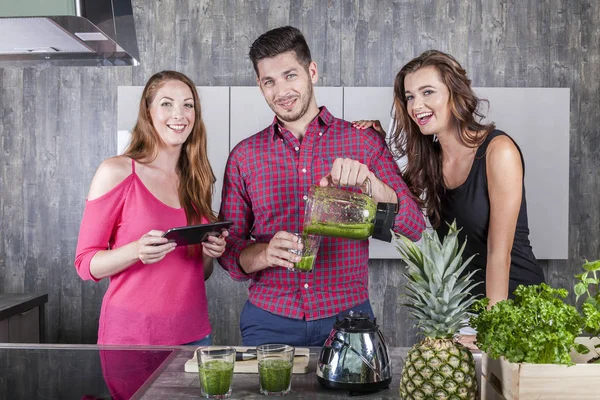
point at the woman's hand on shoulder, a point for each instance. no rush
(109, 174)
(152, 247)
(369, 123)
(215, 246)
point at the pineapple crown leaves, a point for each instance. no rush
(437, 264)
(438, 295)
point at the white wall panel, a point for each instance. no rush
(538, 120)
(369, 103)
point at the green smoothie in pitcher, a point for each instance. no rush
(357, 231)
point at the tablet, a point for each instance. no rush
(195, 234)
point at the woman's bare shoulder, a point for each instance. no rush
(504, 160)
(503, 149)
(109, 174)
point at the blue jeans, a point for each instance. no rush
(259, 327)
(205, 341)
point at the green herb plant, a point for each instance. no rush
(536, 327)
(588, 285)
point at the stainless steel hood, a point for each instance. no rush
(67, 33)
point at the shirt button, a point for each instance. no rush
(305, 197)
(320, 133)
(304, 170)
(306, 286)
(296, 148)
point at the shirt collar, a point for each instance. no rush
(324, 118)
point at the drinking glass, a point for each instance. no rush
(308, 253)
(215, 366)
(275, 364)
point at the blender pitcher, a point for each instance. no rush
(335, 212)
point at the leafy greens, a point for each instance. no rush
(536, 327)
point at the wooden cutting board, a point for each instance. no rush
(301, 359)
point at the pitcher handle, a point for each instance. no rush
(367, 187)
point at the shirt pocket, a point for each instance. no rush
(270, 187)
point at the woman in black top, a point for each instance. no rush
(463, 169)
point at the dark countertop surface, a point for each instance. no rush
(93, 372)
(16, 303)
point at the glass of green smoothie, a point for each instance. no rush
(308, 253)
(215, 366)
(275, 364)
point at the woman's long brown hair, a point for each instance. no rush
(423, 173)
(196, 177)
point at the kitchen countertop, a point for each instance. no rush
(156, 372)
(15, 303)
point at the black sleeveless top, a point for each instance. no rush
(469, 204)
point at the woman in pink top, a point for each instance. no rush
(156, 294)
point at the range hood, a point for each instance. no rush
(67, 33)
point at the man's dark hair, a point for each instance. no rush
(277, 41)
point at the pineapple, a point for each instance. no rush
(438, 297)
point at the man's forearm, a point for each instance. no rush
(381, 192)
(252, 258)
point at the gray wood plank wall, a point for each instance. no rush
(57, 124)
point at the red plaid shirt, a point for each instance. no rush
(266, 183)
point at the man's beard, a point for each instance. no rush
(306, 96)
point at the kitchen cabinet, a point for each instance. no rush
(22, 318)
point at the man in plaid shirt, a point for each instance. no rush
(267, 180)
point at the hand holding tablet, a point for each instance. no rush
(194, 234)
